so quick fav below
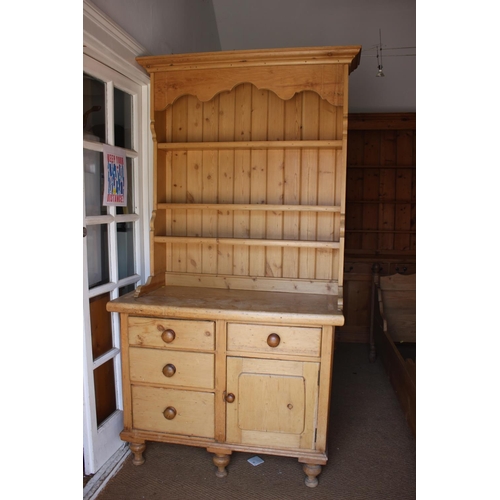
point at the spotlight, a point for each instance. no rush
(379, 63)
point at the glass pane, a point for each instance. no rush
(126, 289)
(94, 95)
(125, 237)
(93, 173)
(105, 396)
(123, 119)
(100, 325)
(97, 255)
(129, 209)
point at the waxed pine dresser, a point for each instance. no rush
(229, 344)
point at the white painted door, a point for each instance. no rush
(112, 251)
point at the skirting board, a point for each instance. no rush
(99, 480)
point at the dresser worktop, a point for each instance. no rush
(213, 303)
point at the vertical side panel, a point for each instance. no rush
(340, 179)
(341, 185)
(168, 216)
(127, 393)
(160, 125)
(159, 251)
(327, 350)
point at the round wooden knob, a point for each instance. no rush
(168, 336)
(273, 340)
(170, 413)
(169, 370)
(230, 398)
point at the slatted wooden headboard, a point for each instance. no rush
(397, 303)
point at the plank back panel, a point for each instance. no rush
(273, 176)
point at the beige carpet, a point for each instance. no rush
(372, 453)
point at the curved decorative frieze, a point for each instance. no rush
(205, 75)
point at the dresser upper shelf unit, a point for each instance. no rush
(249, 175)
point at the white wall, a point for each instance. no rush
(166, 26)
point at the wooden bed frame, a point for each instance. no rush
(393, 327)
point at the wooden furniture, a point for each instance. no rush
(229, 345)
(380, 210)
(393, 336)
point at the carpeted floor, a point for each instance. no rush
(372, 453)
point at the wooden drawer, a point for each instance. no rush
(173, 368)
(192, 412)
(295, 340)
(157, 332)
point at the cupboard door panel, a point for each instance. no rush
(274, 403)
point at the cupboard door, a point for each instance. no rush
(274, 402)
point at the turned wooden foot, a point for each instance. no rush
(137, 449)
(221, 462)
(311, 472)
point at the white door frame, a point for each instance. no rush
(106, 45)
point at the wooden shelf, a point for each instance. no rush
(248, 207)
(198, 146)
(248, 242)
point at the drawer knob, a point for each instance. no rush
(273, 340)
(169, 370)
(230, 398)
(170, 413)
(168, 336)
